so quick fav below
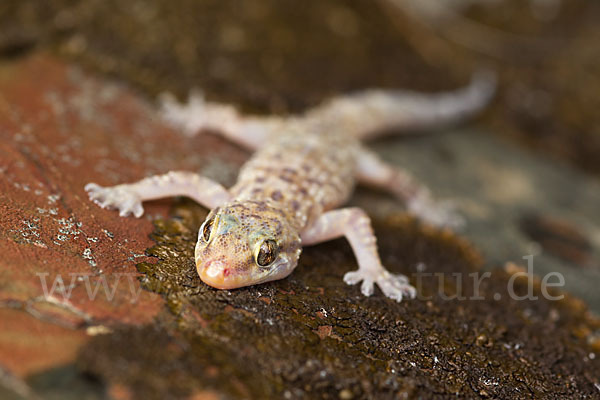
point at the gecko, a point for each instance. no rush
(303, 169)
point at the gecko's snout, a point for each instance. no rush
(245, 243)
(217, 274)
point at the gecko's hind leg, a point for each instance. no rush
(355, 225)
(128, 198)
(373, 171)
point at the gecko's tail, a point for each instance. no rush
(373, 113)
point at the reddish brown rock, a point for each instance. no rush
(29, 345)
(60, 129)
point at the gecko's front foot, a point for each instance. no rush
(197, 114)
(119, 197)
(394, 286)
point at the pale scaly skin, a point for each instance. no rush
(304, 168)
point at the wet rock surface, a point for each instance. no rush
(312, 336)
(164, 334)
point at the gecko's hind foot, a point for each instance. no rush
(394, 286)
(117, 197)
(437, 213)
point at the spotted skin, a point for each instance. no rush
(315, 174)
(303, 168)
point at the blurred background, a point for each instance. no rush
(276, 56)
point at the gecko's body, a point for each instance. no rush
(287, 194)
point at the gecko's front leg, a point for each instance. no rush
(128, 198)
(198, 114)
(355, 225)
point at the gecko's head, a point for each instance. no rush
(245, 243)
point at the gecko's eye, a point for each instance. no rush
(207, 229)
(267, 253)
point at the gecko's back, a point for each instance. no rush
(303, 173)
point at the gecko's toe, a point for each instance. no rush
(396, 287)
(90, 187)
(167, 100)
(138, 210)
(127, 203)
(396, 279)
(352, 277)
(367, 288)
(103, 203)
(93, 191)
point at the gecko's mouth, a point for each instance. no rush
(217, 274)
